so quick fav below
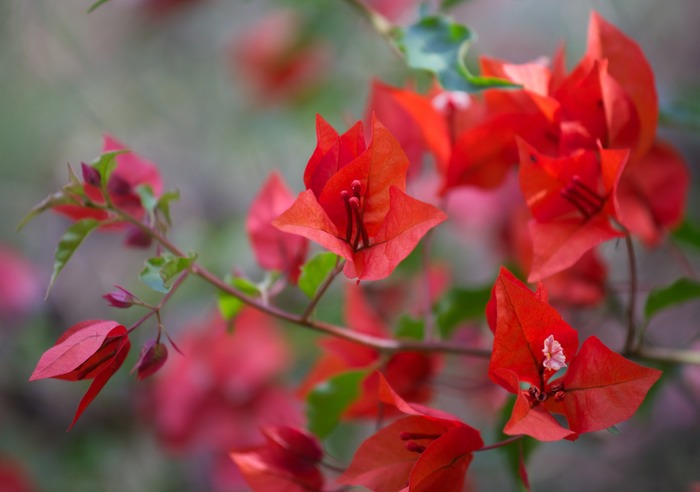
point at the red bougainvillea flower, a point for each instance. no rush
(92, 349)
(355, 204)
(278, 59)
(409, 373)
(582, 284)
(572, 200)
(131, 171)
(287, 461)
(427, 450)
(532, 344)
(274, 249)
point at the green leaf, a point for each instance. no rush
(517, 453)
(68, 244)
(688, 233)
(329, 399)
(148, 199)
(96, 5)
(163, 204)
(460, 305)
(50, 201)
(448, 4)
(410, 327)
(230, 306)
(160, 271)
(682, 290)
(315, 271)
(106, 164)
(439, 45)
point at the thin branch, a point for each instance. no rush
(378, 22)
(323, 288)
(505, 442)
(673, 356)
(631, 307)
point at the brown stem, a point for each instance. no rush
(631, 324)
(323, 288)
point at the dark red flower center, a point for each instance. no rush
(536, 395)
(583, 197)
(355, 229)
(412, 437)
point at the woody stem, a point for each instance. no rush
(631, 324)
(323, 288)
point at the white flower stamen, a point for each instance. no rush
(554, 358)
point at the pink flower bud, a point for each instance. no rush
(152, 357)
(120, 298)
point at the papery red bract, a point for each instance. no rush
(131, 171)
(274, 249)
(288, 461)
(598, 390)
(427, 450)
(410, 373)
(355, 204)
(92, 349)
(573, 200)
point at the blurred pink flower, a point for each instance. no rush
(19, 285)
(278, 59)
(13, 477)
(223, 390)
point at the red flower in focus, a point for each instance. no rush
(355, 204)
(274, 249)
(19, 286)
(287, 461)
(218, 395)
(93, 349)
(278, 59)
(131, 171)
(427, 450)
(573, 200)
(409, 373)
(532, 344)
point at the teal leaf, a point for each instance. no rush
(148, 199)
(438, 45)
(682, 290)
(160, 271)
(329, 399)
(163, 204)
(315, 271)
(69, 243)
(459, 305)
(230, 306)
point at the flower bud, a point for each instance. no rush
(152, 357)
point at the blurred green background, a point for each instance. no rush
(162, 79)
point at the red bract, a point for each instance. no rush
(275, 250)
(355, 204)
(131, 171)
(410, 373)
(572, 200)
(13, 477)
(152, 357)
(428, 450)
(278, 59)
(287, 461)
(532, 343)
(92, 349)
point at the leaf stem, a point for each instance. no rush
(378, 22)
(505, 442)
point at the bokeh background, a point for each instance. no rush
(176, 82)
